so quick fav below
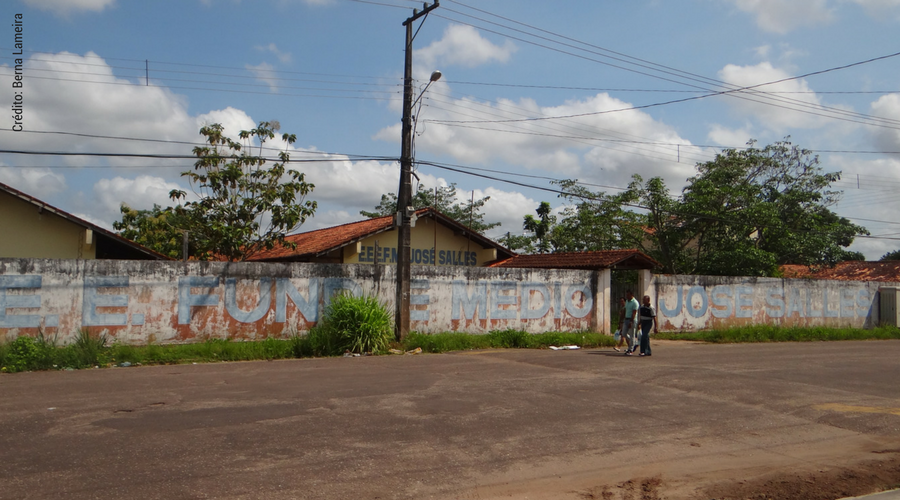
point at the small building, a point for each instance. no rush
(435, 240)
(30, 228)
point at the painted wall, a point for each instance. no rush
(431, 243)
(698, 302)
(25, 232)
(170, 302)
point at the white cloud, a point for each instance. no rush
(265, 73)
(40, 183)
(782, 16)
(602, 145)
(887, 106)
(463, 46)
(774, 116)
(64, 7)
(284, 57)
(140, 193)
(729, 138)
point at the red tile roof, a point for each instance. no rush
(858, 270)
(322, 241)
(605, 259)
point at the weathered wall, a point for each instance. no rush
(168, 302)
(698, 302)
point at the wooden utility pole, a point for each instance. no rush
(404, 196)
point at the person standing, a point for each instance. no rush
(648, 320)
(620, 333)
(631, 309)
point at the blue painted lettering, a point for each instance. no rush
(470, 304)
(697, 312)
(93, 299)
(501, 297)
(255, 314)
(863, 302)
(828, 313)
(308, 308)
(743, 305)
(794, 303)
(810, 311)
(186, 299)
(721, 296)
(19, 302)
(675, 310)
(581, 310)
(419, 299)
(334, 286)
(848, 303)
(532, 307)
(775, 299)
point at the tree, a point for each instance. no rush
(541, 227)
(244, 206)
(597, 221)
(444, 200)
(518, 242)
(895, 255)
(748, 211)
(159, 229)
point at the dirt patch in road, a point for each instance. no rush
(643, 489)
(862, 478)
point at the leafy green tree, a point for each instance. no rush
(748, 211)
(159, 229)
(895, 255)
(541, 227)
(444, 200)
(597, 221)
(245, 207)
(852, 256)
(518, 242)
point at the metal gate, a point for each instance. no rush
(620, 282)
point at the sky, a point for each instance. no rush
(532, 91)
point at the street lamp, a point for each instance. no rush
(404, 193)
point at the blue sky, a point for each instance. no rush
(330, 71)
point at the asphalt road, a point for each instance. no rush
(474, 425)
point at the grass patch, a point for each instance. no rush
(768, 333)
(503, 339)
(43, 353)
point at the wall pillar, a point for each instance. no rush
(644, 286)
(600, 322)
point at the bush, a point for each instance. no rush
(509, 338)
(355, 324)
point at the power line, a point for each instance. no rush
(671, 71)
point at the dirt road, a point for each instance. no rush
(793, 421)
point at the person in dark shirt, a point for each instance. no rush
(647, 315)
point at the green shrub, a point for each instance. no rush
(358, 324)
(509, 338)
(88, 350)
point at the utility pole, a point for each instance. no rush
(404, 196)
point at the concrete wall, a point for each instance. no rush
(699, 302)
(170, 302)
